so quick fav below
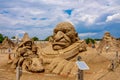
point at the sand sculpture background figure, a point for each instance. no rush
(108, 43)
(7, 45)
(26, 56)
(65, 45)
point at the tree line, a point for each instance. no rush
(2, 37)
(87, 40)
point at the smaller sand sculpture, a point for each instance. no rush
(7, 43)
(27, 57)
(8, 46)
(108, 43)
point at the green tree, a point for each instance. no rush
(97, 39)
(90, 40)
(35, 38)
(5, 37)
(13, 37)
(1, 38)
(47, 39)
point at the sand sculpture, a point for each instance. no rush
(65, 45)
(25, 37)
(7, 46)
(26, 56)
(65, 42)
(54, 58)
(7, 43)
(108, 43)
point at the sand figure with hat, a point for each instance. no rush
(26, 56)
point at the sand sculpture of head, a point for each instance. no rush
(65, 46)
(64, 35)
(65, 42)
(107, 35)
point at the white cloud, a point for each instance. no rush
(20, 31)
(52, 10)
(114, 17)
(21, 13)
(88, 19)
(40, 33)
(86, 34)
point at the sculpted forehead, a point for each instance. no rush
(64, 26)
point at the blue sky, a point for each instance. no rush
(91, 18)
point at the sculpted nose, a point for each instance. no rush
(59, 35)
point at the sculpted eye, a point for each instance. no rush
(55, 31)
(67, 30)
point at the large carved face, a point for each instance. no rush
(64, 35)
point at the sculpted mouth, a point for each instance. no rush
(60, 45)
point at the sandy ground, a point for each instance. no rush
(98, 68)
